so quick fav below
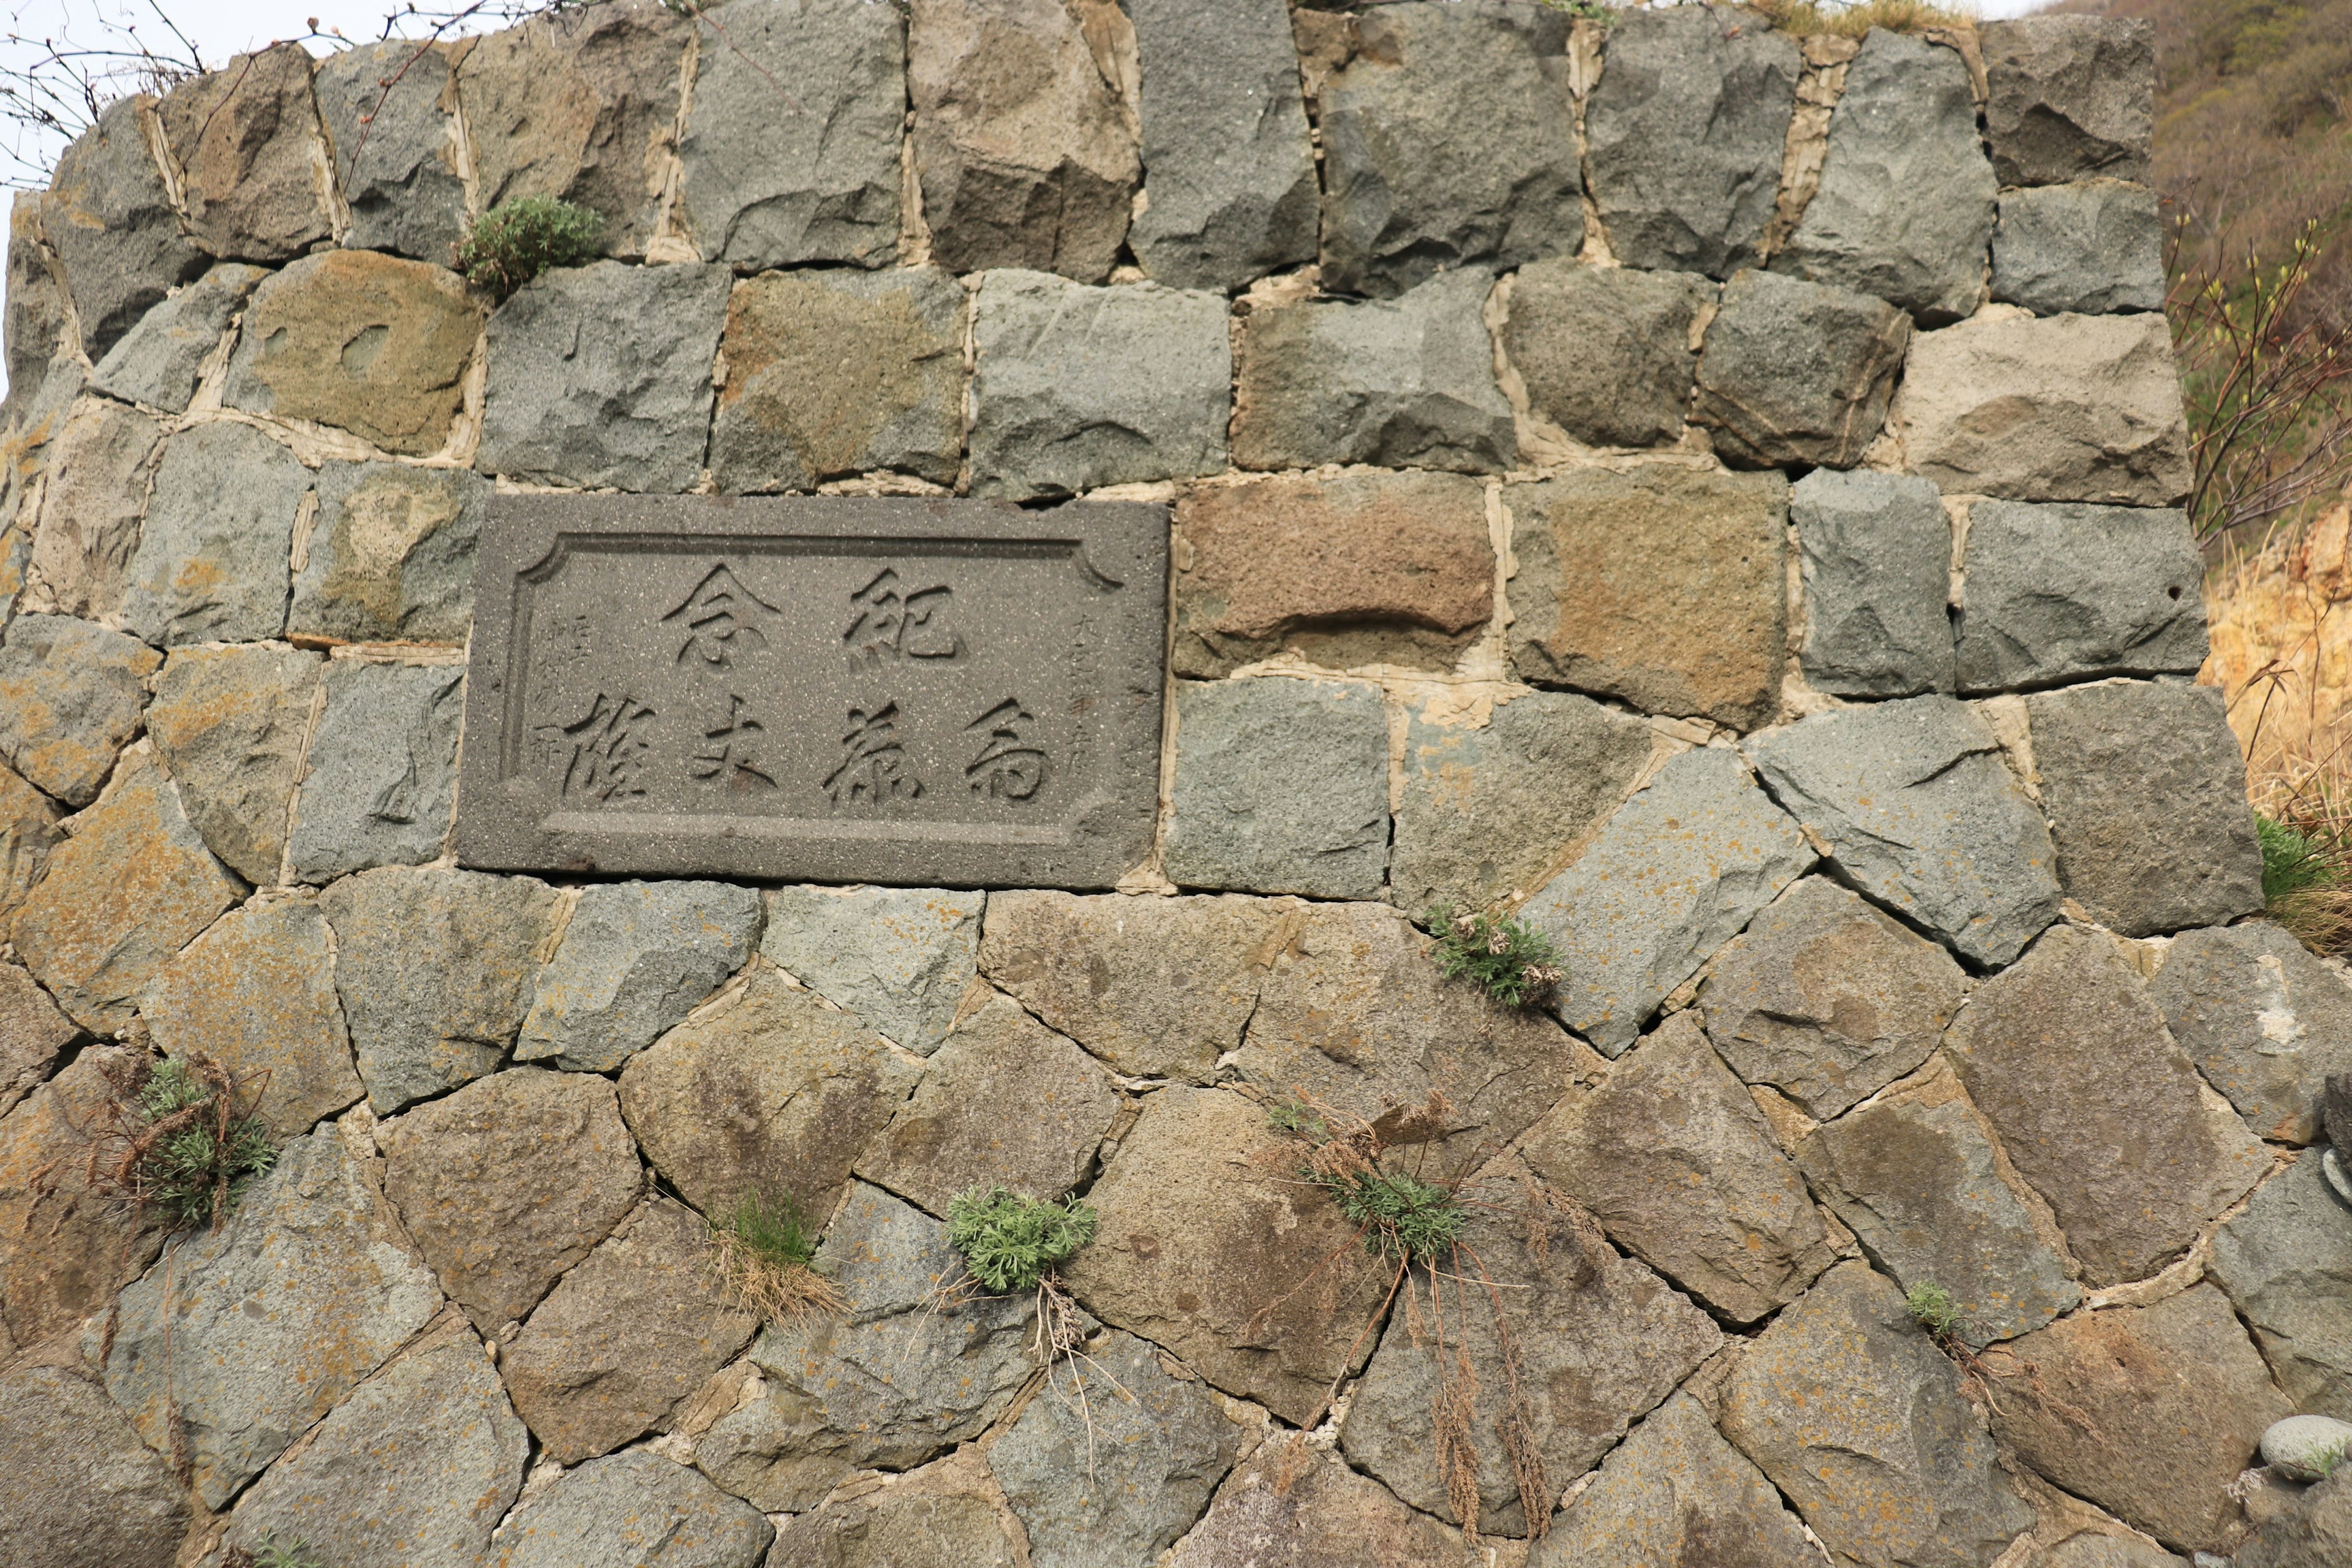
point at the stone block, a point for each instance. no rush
(87, 525)
(834, 373)
(2092, 246)
(66, 1244)
(508, 1182)
(391, 134)
(1793, 372)
(228, 724)
(2266, 1021)
(383, 770)
(2056, 593)
(70, 697)
(28, 831)
(1025, 148)
(1488, 810)
(1407, 381)
(2069, 95)
(1671, 1492)
(900, 958)
(1309, 812)
(1663, 586)
(777, 177)
(634, 1510)
(1231, 192)
(2286, 1262)
(1360, 568)
(2083, 409)
(1916, 807)
(391, 556)
(158, 360)
(636, 958)
(1671, 876)
(2098, 1108)
(83, 1490)
(2312, 1530)
(32, 1032)
(211, 559)
(1074, 389)
(1606, 352)
(2146, 790)
(32, 318)
(1828, 1001)
(601, 377)
(950, 1513)
(111, 221)
(1304, 1508)
(251, 162)
(1876, 554)
(1413, 186)
(1684, 135)
(435, 968)
(1862, 1424)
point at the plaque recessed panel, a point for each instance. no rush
(829, 689)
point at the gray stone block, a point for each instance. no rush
(1230, 188)
(2266, 1021)
(1403, 383)
(386, 107)
(601, 375)
(1794, 372)
(2068, 96)
(1077, 388)
(83, 1490)
(86, 527)
(383, 770)
(2286, 1262)
(1605, 351)
(1684, 135)
(1281, 788)
(229, 723)
(392, 554)
(636, 957)
(111, 221)
(636, 1509)
(156, 362)
(791, 150)
(1876, 554)
(2093, 247)
(1918, 809)
(246, 141)
(32, 318)
(70, 697)
(211, 563)
(950, 1513)
(1672, 1484)
(1413, 185)
(2055, 594)
(900, 958)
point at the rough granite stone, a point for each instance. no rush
(436, 968)
(2286, 1262)
(228, 724)
(1290, 1505)
(508, 1183)
(636, 958)
(32, 1032)
(87, 525)
(834, 374)
(2112, 1548)
(1413, 186)
(65, 1247)
(28, 831)
(950, 1513)
(2082, 408)
(1407, 381)
(70, 696)
(382, 773)
(391, 556)
(251, 161)
(771, 176)
(1664, 586)
(2093, 247)
(2313, 1530)
(1669, 878)
(900, 958)
(2099, 1110)
(2069, 95)
(32, 318)
(775, 1097)
(211, 562)
(1916, 807)
(1022, 144)
(1077, 388)
(1861, 1423)
(2057, 593)
(109, 220)
(1793, 372)
(83, 1490)
(636, 1509)
(157, 362)
(601, 375)
(2265, 1021)
(1230, 188)
(1605, 351)
(1362, 568)
(390, 129)
(1307, 814)
(1876, 554)
(2146, 790)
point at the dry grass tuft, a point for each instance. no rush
(766, 1261)
(1803, 18)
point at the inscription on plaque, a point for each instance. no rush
(838, 689)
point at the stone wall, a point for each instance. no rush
(1711, 492)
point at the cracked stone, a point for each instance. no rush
(1304, 1508)
(382, 774)
(66, 1246)
(635, 958)
(2069, 95)
(1876, 554)
(393, 146)
(253, 166)
(157, 362)
(391, 555)
(88, 524)
(2093, 247)
(83, 1490)
(70, 698)
(35, 311)
(211, 560)
(900, 958)
(1793, 372)
(2058, 594)
(32, 1032)
(2265, 1021)
(634, 1510)
(228, 724)
(1308, 814)
(28, 832)
(949, 1514)
(111, 222)
(2286, 1263)
(1605, 351)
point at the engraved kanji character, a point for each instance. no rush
(722, 619)
(729, 753)
(1008, 766)
(873, 770)
(887, 622)
(607, 749)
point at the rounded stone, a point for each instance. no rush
(2306, 1447)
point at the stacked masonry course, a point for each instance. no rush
(1711, 490)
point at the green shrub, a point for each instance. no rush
(1509, 959)
(196, 1151)
(1402, 1218)
(1010, 1243)
(2291, 862)
(1933, 1309)
(517, 240)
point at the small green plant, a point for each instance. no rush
(517, 240)
(190, 1146)
(1509, 959)
(1293, 1117)
(767, 1260)
(1402, 1218)
(1933, 1309)
(1585, 10)
(267, 1553)
(2291, 862)
(1011, 1243)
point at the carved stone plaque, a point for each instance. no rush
(829, 689)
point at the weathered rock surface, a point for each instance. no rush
(211, 562)
(1664, 586)
(32, 318)
(436, 970)
(83, 1492)
(1794, 372)
(601, 375)
(1024, 150)
(1917, 806)
(636, 1509)
(1411, 184)
(2146, 790)
(2265, 1021)
(2112, 1548)
(228, 724)
(834, 373)
(2069, 592)
(2069, 1060)
(636, 958)
(387, 112)
(949, 1514)
(775, 1097)
(391, 556)
(773, 176)
(157, 362)
(109, 219)
(1876, 554)
(382, 775)
(1308, 814)
(2093, 247)
(2286, 1263)
(28, 831)
(32, 1032)
(1301, 1507)
(1357, 569)
(2069, 95)
(2082, 408)
(2313, 1531)
(508, 1183)
(70, 696)
(88, 522)
(900, 958)
(250, 158)
(1074, 388)
(64, 1247)
(1605, 351)
(1669, 878)
(1406, 381)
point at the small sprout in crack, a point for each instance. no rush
(1297, 1118)
(1011, 1243)
(267, 1553)
(190, 1145)
(1402, 1217)
(1933, 1309)
(1509, 959)
(767, 1260)
(517, 240)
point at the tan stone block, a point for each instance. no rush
(89, 521)
(228, 722)
(65, 1245)
(251, 159)
(28, 832)
(71, 695)
(32, 1032)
